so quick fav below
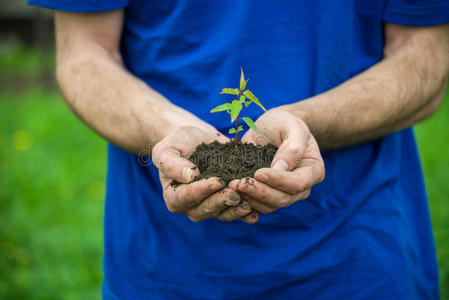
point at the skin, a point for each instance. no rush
(404, 88)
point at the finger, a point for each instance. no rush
(291, 150)
(249, 137)
(170, 162)
(252, 217)
(183, 197)
(214, 205)
(234, 213)
(257, 206)
(233, 184)
(304, 177)
(264, 194)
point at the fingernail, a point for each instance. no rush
(280, 165)
(233, 184)
(215, 186)
(187, 174)
(248, 185)
(234, 197)
(250, 188)
(254, 214)
(245, 205)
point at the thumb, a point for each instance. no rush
(291, 150)
(170, 162)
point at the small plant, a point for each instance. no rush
(236, 106)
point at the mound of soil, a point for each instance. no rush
(229, 163)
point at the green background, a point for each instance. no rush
(52, 172)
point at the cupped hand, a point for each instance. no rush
(199, 200)
(296, 166)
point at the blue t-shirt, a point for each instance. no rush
(364, 233)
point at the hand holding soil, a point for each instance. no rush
(199, 200)
(296, 166)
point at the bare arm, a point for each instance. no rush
(130, 114)
(98, 89)
(401, 90)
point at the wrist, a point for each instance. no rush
(171, 119)
(294, 109)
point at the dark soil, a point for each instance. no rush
(228, 163)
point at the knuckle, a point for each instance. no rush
(188, 198)
(298, 188)
(322, 173)
(283, 202)
(266, 210)
(293, 149)
(262, 194)
(209, 211)
(305, 194)
(155, 155)
(167, 167)
(194, 219)
(172, 208)
(225, 218)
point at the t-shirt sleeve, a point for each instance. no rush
(416, 12)
(81, 5)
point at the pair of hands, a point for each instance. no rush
(296, 167)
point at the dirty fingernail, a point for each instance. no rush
(245, 205)
(187, 174)
(218, 184)
(254, 214)
(234, 197)
(247, 185)
(233, 184)
(281, 165)
(215, 186)
(250, 188)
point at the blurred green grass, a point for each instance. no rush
(433, 142)
(52, 172)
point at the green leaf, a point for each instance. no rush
(250, 123)
(247, 103)
(230, 91)
(242, 99)
(253, 98)
(223, 107)
(236, 107)
(232, 130)
(242, 80)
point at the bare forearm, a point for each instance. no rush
(402, 89)
(115, 103)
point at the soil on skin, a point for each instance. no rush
(229, 163)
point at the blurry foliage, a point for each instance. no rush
(52, 172)
(19, 60)
(433, 142)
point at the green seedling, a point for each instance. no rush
(244, 97)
